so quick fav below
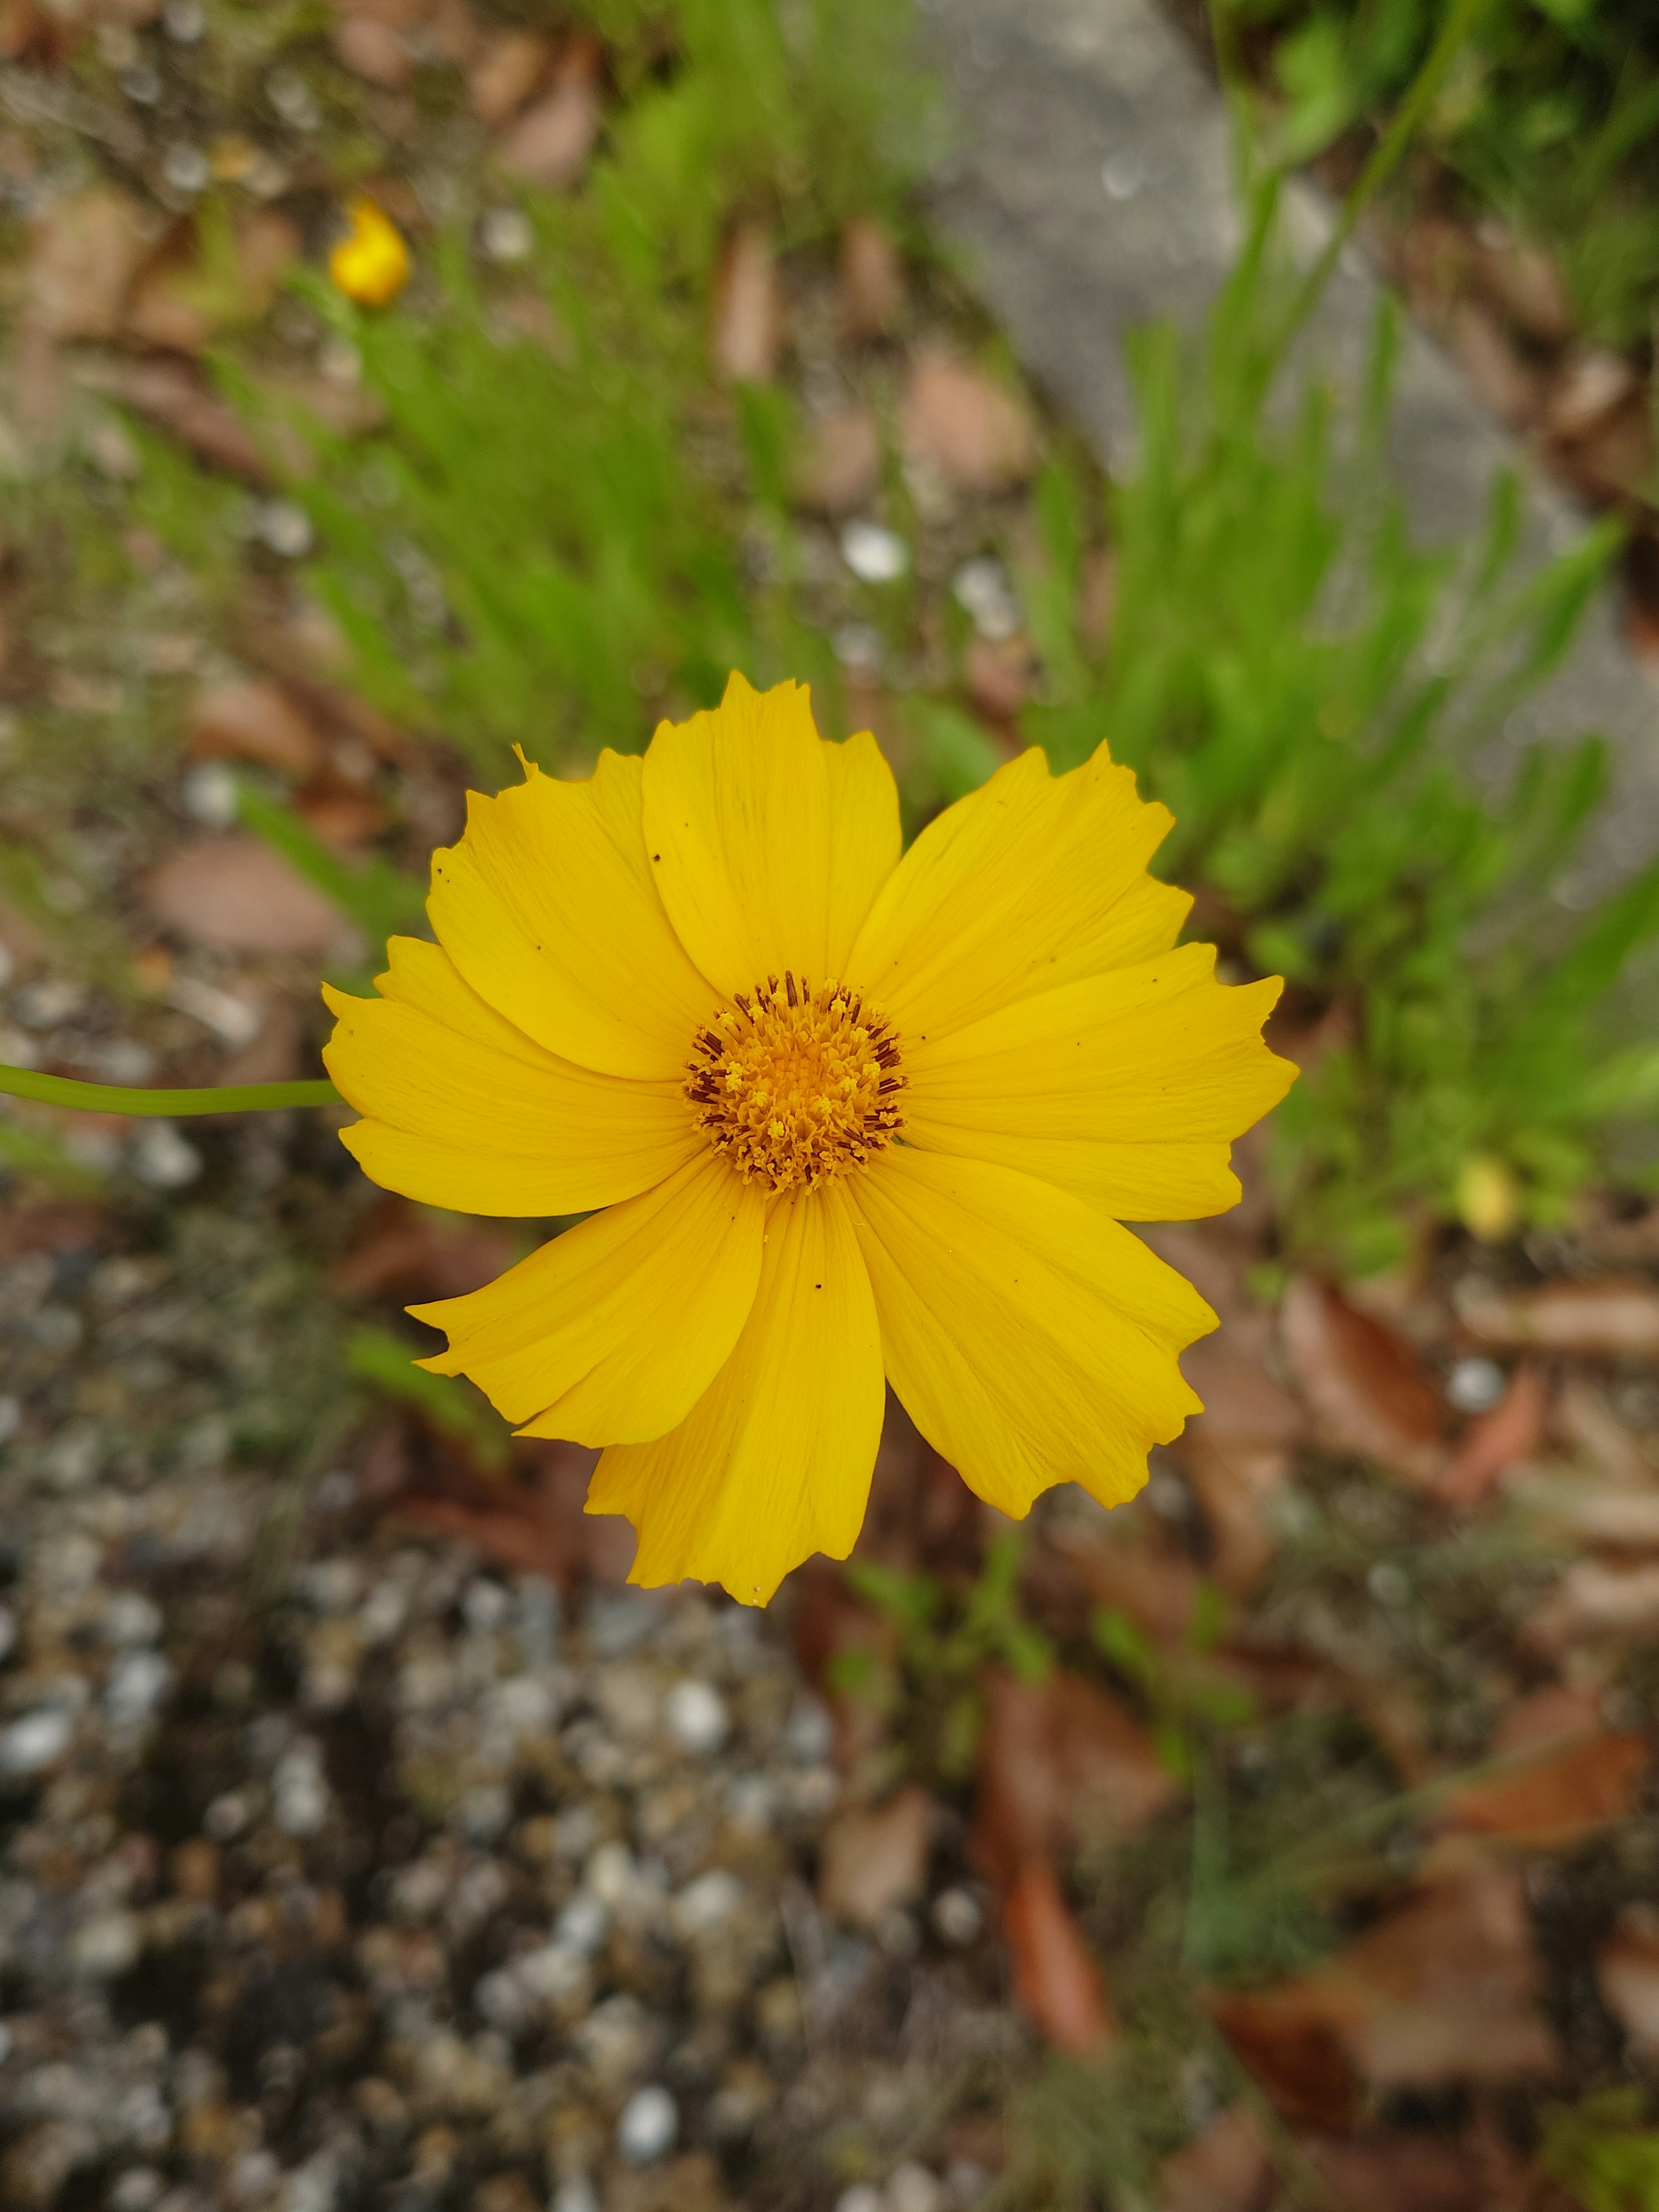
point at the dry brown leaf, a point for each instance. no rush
(373, 50)
(1000, 674)
(550, 142)
(407, 1253)
(1495, 1441)
(1627, 1967)
(875, 1858)
(175, 397)
(872, 278)
(1596, 1602)
(252, 722)
(1578, 1776)
(840, 464)
(1060, 1762)
(1361, 1382)
(957, 420)
(1401, 2173)
(747, 330)
(1225, 2168)
(506, 73)
(1614, 1317)
(1503, 380)
(1583, 1419)
(1238, 1453)
(179, 305)
(1593, 384)
(232, 894)
(87, 251)
(1525, 281)
(1057, 1983)
(1444, 1989)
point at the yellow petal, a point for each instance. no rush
(548, 907)
(1032, 1339)
(1030, 882)
(614, 1330)
(768, 843)
(461, 1110)
(774, 1461)
(1127, 1089)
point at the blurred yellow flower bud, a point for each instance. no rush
(1488, 1198)
(371, 264)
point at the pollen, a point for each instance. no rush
(795, 1083)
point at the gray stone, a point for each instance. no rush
(1089, 192)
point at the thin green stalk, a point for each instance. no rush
(1385, 158)
(118, 1098)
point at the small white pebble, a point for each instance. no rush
(858, 645)
(186, 168)
(912, 2188)
(284, 528)
(582, 1926)
(875, 554)
(162, 1158)
(137, 1683)
(136, 2190)
(505, 234)
(809, 1734)
(1123, 175)
(695, 1714)
(981, 586)
(708, 1903)
(40, 1740)
(130, 1617)
(573, 2194)
(956, 1917)
(1474, 1385)
(107, 1945)
(751, 1802)
(609, 1873)
(184, 21)
(649, 2123)
(484, 1605)
(1387, 1583)
(860, 2197)
(227, 1816)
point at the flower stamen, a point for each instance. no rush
(794, 1085)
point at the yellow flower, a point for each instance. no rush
(370, 264)
(839, 1119)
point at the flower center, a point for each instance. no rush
(793, 1084)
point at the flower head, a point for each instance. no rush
(839, 1118)
(370, 264)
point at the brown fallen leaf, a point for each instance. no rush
(1507, 383)
(506, 72)
(1524, 279)
(550, 142)
(875, 1858)
(1610, 1516)
(1613, 1317)
(1000, 674)
(1060, 1762)
(1158, 1588)
(1401, 2173)
(252, 722)
(747, 330)
(373, 50)
(1361, 1382)
(958, 420)
(1582, 1421)
(409, 1253)
(1446, 1987)
(231, 893)
(1579, 1775)
(85, 252)
(1627, 1968)
(872, 278)
(1595, 1601)
(840, 463)
(1237, 1453)
(1495, 1441)
(1593, 384)
(1057, 1983)
(179, 303)
(1225, 2168)
(173, 397)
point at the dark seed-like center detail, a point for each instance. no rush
(794, 1083)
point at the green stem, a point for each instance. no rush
(1385, 158)
(117, 1098)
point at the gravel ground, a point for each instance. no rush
(341, 1868)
